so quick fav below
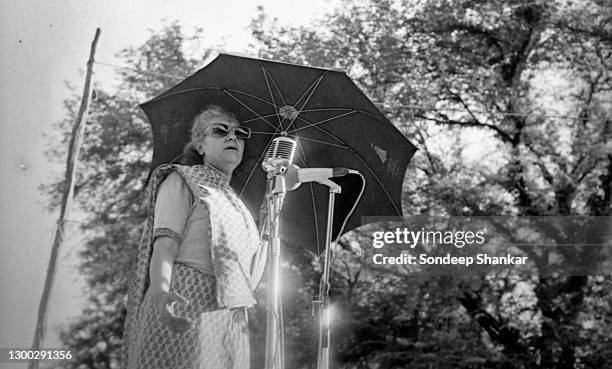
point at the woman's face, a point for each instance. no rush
(222, 151)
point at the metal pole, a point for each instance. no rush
(274, 347)
(71, 165)
(323, 302)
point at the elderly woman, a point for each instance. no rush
(199, 259)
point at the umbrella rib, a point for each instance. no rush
(312, 88)
(322, 121)
(264, 133)
(323, 142)
(327, 109)
(365, 164)
(248, 108)
(244, 185)
(275, 85)
(261, 156)
(325, 131)
(373, 116)
(380, 183)
(247, 94)
(254, 119)
(265, 73)
(312, 197)
(310, 91)
(185, 91)
(309, 124)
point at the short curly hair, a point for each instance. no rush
(199, 127)
(191, 155)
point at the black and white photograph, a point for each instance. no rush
(340, 184)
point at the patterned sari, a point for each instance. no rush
(217, 304)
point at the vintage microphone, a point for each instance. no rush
(285, 176)
(277, 159)
(279, 154)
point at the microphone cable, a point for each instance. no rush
(363, 185)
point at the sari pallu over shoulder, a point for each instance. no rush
(233, 241)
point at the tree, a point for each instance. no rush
(112, 174)
(463, 68)
(476, 67)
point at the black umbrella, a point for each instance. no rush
(334, 123)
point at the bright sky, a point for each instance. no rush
(47, 42)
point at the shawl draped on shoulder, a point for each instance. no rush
(233, 240)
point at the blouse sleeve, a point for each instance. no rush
(172, 208)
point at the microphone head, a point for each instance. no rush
(279, 154)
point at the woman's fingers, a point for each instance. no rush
(168, 317)
(176, 297)
(175, 323)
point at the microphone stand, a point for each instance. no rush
(321, 306)
(276, 190)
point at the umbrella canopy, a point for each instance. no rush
(333, 122)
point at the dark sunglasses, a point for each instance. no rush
(223, 130)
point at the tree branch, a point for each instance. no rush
(504, 136)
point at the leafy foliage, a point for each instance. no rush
(113, 168)
(476, 68)
(447, 73)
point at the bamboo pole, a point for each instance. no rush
(71, 166)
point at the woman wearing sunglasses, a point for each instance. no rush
(199, 260)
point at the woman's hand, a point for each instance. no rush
(160, 274)
(164, 302)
